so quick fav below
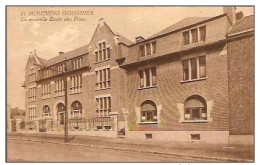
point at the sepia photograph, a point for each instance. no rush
(130, 84)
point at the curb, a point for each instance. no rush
(140, 151)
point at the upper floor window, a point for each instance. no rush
(32, 113)
(76, 84)
(60, 68)
(59, 87)
(103, 78)
(47, 73)
(32, 75)
(46, 90)
(103, 52)
(195, 108)
(103, 106)
(194, 68)
(194, 35)
(76, 63)
(147, 77)
(32, 94)
(147, 49)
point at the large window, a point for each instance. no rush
(47, 73)
(194, 35)
(60, 68)
(103, 52)
(103, 106)
(147, 49)
(32, 94)
(195, 108)
(32, 75)
(76, 110)
(59, 87)
(46, 90)
(194, 68)
(148, 112)
(76, 63)
(147, 77)
(103, 79)
(32, 113)
(46, 111)
(76, 84)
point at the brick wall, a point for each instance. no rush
(170, 91)
(241, 85)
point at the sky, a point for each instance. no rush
(50, 37)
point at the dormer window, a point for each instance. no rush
(194, 35)
(47, 73)
(76, 63)
(147, 49)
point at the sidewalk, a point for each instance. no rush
(205, 152)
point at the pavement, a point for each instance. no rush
(197, 150)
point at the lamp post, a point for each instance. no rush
(66, 129)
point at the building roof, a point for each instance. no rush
(68, 55)
(124, 40)
(246, 23)
(181, 24)
(81, 51)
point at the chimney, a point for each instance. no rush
(231, 13)
(61, 53)
(139, 39)
(239, 15)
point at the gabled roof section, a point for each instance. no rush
(68, 55)
(35, 60)
(124, 40)
(245, 24)
(179, 25)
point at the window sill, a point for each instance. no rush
(76, 93)
(140, 88)
(143, 123)
(102, 89)
(194, 43)
(59, 96)
(194, 121)
(199, 79)
(101, 61)
(45, 98)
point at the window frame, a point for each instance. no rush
(190, 70)
(153, 113)
(143, 80)
(143, 52)
(103, 52)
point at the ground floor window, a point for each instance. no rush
(195, 108)
(46, 111)
(148, 111)
(76, 111)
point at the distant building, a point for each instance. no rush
(15, 119)
(172, 86)
(240, 48)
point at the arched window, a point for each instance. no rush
(195, 108)
(76, 109)
(148, 111)
(46, 111)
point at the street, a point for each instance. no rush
(29, 151)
